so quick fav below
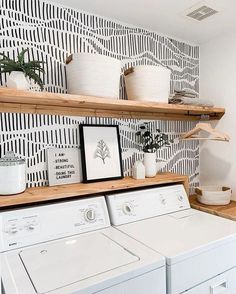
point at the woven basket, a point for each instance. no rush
(214, 195)
(148, 83)
(93, 75)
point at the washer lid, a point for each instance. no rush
(52, 266)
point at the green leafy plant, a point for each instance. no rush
(151, 142)
(29, 68)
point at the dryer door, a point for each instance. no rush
(221, 284)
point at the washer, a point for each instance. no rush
(71, 248)
(200, 248)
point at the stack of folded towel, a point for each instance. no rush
(188, 98)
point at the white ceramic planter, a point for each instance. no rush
(150, 164)
(17, 80)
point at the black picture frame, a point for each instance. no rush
(87, 178)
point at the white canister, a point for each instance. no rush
(148, 83)
(12, 174)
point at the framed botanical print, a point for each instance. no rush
(100, 152)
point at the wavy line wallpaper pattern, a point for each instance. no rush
(52, 32)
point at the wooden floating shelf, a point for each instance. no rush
(43, 194)
(74, 105)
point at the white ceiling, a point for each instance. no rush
(164, 16)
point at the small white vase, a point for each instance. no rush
(150, 164)
(160, 164)
(17, 80)
(138, 170)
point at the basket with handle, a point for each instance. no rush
(93, 75)
(214, 195)
(148, 83)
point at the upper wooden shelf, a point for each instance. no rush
(43, 194)
(64, 104)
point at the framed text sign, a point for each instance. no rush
(63, 166)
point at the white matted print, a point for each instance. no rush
(100, 152)
(63, 166)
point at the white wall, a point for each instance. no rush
(218, 83)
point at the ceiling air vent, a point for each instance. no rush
(202, 13)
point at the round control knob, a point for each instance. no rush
(90, 215)
(127, 208)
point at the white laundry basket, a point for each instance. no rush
(148, 83)
(93, 75)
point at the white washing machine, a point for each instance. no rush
(70, 248)
(200, 248)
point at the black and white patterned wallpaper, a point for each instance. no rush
(52, 32)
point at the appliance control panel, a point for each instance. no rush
(133, 206)
(28, 226)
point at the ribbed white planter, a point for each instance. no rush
(17, 80)
(148, 83)
(94, 75)
(150, 164)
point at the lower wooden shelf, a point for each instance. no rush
(43, 194)
(226, 211)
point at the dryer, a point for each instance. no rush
(70, 247)
(200, 248)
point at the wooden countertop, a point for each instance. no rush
(63, 192)
(226, 211)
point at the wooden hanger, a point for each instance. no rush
(206, 127)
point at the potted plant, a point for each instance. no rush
(20, 71)
(151, 142)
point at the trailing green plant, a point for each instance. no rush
(151, 142)
(29, 68)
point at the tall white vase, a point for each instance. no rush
(17, 80)
(150, 164)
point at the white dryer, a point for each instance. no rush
(70, 247)
(200, 248)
